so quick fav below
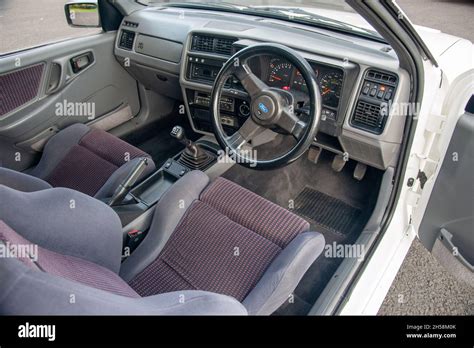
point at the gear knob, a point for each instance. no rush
(178, 133)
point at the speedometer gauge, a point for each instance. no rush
(280, 73)
(331, 85)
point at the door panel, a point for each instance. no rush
(37, 85)
(447, 226)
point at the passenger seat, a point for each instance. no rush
(81, 158)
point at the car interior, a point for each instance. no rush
(225, 152)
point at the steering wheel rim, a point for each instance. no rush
(260, 93)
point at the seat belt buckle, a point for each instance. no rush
(132, 234)
(134, 238)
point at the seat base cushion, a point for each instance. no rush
(223, 244)
(208, 251)
(65, 266)
(81, 170)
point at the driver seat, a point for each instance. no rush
(212, 248)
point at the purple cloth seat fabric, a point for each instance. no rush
(88, 160)
(223, 244)
(265, 218)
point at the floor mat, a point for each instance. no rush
(326, 211)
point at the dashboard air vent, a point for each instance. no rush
(203, 43)
(210, 44)
(381, 77)
(224, 46)
(126, 39)
(130, 24)
(368, 116)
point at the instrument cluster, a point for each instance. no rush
(282, 74)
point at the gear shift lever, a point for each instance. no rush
(193, 157)
(178, 133)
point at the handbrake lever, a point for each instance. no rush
(126, 185)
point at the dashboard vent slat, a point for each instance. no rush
(126, 39)
(130, 24)
(381, 77)
(224, 47)
(368, 116)
(210, 44)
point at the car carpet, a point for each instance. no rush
(155, 139)
(320, 195)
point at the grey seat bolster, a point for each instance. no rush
(168, 213)
(57, 148)
(284, 274)
(30, 292)
(20, 181)
(65, 221)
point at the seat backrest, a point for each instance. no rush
(66, 222)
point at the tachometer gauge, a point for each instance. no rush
(280, 73)
(331, 85)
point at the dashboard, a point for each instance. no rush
(359, 79)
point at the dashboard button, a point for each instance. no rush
(365, 90)
(380, 94)
(373, 92)
(388, 96)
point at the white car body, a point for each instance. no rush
(446, 92)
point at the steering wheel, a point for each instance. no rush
(269, 107)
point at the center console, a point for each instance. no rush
(234, 111)
(203, 60)
(196, 156)
(136, 208)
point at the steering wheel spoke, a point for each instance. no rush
(246, 133)
(291, 123)
(251, 83)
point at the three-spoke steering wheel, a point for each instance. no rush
(269, 107)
